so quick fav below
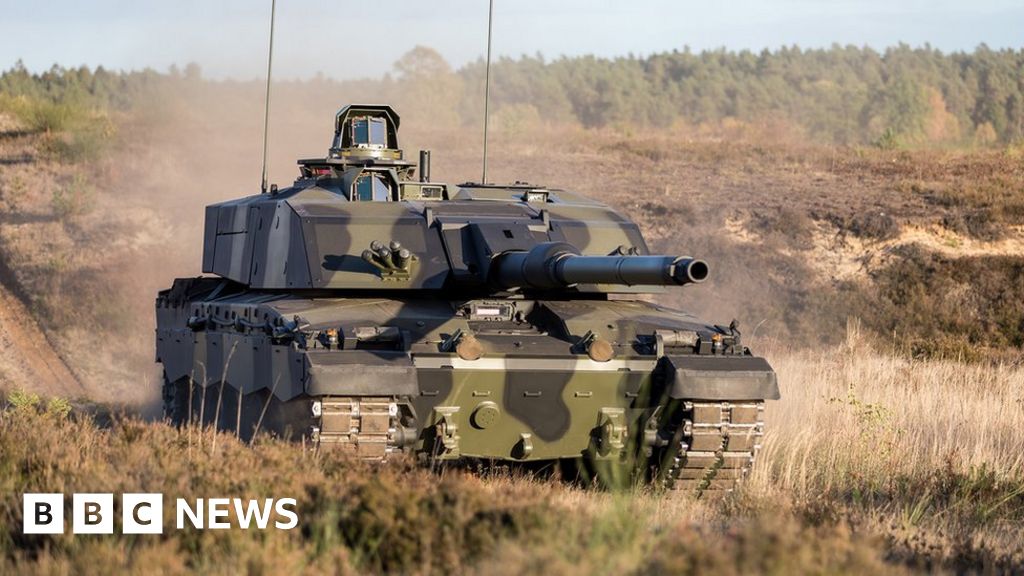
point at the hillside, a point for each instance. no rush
(923, 246)
(886, 286)
(799, 238)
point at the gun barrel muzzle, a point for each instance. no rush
(558, 265)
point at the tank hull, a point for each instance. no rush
(376, 375)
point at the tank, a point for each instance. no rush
(372, 310)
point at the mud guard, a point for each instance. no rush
(360, 373)
(720, 378)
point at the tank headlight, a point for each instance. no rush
(469, 348)
(600, 350)
(317, 407)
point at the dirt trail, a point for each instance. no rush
(27, 361)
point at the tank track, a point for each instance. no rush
(360, 426)
(715, 446)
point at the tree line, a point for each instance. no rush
(840, 95)
(843, 95)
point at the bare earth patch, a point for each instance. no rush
(27, 360)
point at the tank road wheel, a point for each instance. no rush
(711, 446)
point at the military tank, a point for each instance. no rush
(370, 309)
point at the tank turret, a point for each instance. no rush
(334, 229)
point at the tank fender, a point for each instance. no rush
(720, 378)
(360, 373)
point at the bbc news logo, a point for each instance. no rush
(94, 513)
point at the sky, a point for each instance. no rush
(343, 40)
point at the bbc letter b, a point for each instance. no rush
(42, 514)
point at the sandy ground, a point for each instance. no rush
(26, 357)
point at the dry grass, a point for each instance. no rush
(851, 417)
(872, 463)
(928, 453)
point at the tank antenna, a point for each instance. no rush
(266, 107)
(487, 86)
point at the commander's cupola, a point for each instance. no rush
(364, 157)
(365, 132)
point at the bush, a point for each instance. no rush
(765, 546)
(949, 307)
(72, 199)
(889, 140)
(45, 116)
(20, 401)
(83, 145)
(72, 131)
(873, 225)
(795, 227)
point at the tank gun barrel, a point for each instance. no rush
(555, 265)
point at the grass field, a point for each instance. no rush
(871, 463)
(885, 286)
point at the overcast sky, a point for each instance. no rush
(228, 38)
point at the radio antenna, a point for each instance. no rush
(266, 108)
(487, 86)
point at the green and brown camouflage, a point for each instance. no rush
(372, 310)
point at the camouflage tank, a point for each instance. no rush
(370, 309)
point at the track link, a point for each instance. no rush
(715, 447)
(363, 427)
